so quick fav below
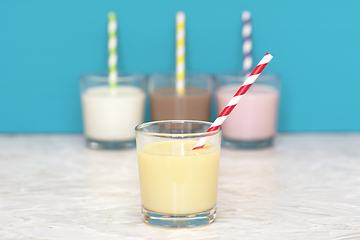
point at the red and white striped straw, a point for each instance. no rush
(235, 99)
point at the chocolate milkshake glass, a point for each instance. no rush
(167, 104)
(253, 122)
(110, 115)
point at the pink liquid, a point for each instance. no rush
(254, 118)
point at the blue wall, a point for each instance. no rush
(45, 45)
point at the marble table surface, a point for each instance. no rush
(306, 187)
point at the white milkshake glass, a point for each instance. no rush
(253, 122)
(110, 115)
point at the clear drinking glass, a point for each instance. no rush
(253, 122)
(167, 104)
(110, 115)
(178, 185)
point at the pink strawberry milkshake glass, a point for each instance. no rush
(253, 122)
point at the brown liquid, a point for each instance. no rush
(193, 105)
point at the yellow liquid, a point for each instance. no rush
(176, 180)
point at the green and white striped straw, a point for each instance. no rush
(112, 48)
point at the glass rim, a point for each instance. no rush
(177, 135)
(103, 76)
(236, 74)
(171, 75)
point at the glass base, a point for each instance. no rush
(234, 144)
(185, 221)
(109, 145)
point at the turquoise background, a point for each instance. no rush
(46, 45)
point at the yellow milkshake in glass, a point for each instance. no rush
(176, 180)
(178, 186)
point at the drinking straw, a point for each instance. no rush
(180, 53)
(112, 48)
(247, 42)
(235, 99)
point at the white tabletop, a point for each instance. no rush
(306, 187)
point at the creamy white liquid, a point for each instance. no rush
(112, 115)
